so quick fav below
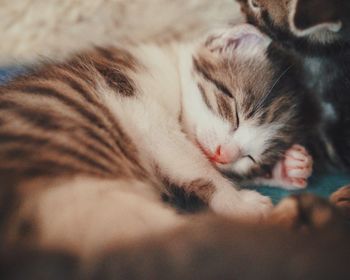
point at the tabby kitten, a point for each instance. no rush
(88, 147)
(318, 32)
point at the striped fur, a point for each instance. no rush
(114, 130)
(317, 33)
(251, 100)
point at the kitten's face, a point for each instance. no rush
(240, 108)
(310, 26)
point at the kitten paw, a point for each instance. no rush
(294, 169)
(341, 200)
(245, 204)
(305, 212)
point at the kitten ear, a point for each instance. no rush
(243, 36)
(310, 16)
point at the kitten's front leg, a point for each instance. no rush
(291, 172)
(248, 205)
(183, 164)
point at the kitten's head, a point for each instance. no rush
(241, 104)
(309, 26)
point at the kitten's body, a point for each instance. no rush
(88, 147)
(318, 33)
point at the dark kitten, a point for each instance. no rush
(318, 33)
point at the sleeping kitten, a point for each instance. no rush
(89, 146)
(318, 32)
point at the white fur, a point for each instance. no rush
(253, 140)
(152, 119)
(165, 90)
(204, 126)
(245, 204)
(88, 215)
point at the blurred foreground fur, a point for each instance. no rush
(341, 198)
(305, 238)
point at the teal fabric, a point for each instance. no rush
(323, 185)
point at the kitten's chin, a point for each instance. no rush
(239, 168)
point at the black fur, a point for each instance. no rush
(324, 68)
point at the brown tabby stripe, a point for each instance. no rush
(204, 68)
(58, 125)
(118, 56)
(24, 145)
(73, 104)
(76, 84)
(104, 112)
(19, 149)
(204, 96)
(57, 150)
(49, 91)
(80, 69)
(50, 123)
(94, 141)
(125, 149)
(116, 79)
(225, 109)
(113, 65)
(45, 168)
(112, 166)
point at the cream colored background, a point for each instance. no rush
(54, 28)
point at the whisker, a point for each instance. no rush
(262, 100)
(279, 78)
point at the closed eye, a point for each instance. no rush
(251, 158)
(220, 86)
(237, 116)
(226, 92)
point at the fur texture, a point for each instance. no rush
(110, 130)
(320, 41)
(32, 29)
(309, 230)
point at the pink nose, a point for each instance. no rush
(225, 155)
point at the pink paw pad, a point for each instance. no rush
(295, 168)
